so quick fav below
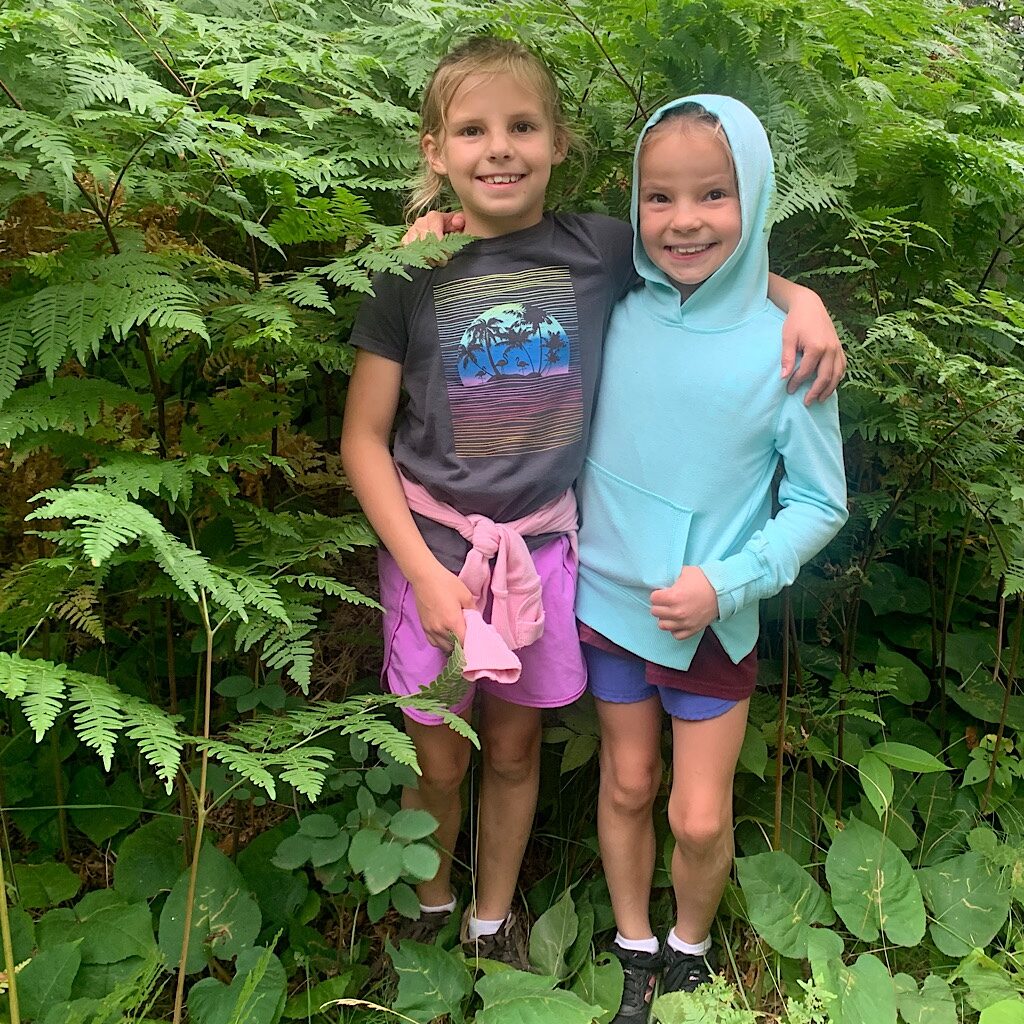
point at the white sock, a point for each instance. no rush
(650, 945)
(698, 949)
(441, 908)
(477, 929)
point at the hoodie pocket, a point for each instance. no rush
(630, 536)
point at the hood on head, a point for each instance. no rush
(739, 287)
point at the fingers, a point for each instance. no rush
(454, 221)
(788, 352)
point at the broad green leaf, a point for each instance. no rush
(44, 885)
(431, 981)
(512, 997)
(911, 759)
(552, 936)
(411, 824)
(866, 993)
(46, 979)
(115, 804)
(987, 982)
(599, 983)
(363, 848)
(405, 900)
(23, 934)
(386, 867)
(876, 779)
(304, 1005)
(754, 752)
(967, 900)
(913, 685)
(932, 1005)
(319, 826)
(982, 697)
(110, 929)
(581, 952)
(420, 861)
(783, 901)
(149, 861)
(873, 886)
(256, 995)
(1007, 1011)
(97, 981)
(279, 893)
(579, 749)
(225, 917)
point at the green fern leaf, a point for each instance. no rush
(157, 737)
(333, 587)
(38, 686)
(96, 709)
(68, 404)
(15, 339)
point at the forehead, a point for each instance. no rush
(682, 151)
(500, 92)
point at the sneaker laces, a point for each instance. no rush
(638, 969)
(683, 972)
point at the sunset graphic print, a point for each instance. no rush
(510, 350)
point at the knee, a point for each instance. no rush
(513, 762)
(631, 788)
(442, 778)
(700, 831)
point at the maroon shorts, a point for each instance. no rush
(712, 673)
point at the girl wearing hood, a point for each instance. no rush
(678, 543)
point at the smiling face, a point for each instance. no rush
(689, 208)
(497, 150)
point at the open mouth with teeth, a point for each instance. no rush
(689, 250)
(501, 179)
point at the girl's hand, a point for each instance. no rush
(440, 599)
(686, 607)
(809, 329)
(434, 224)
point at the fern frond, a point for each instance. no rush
(67, 316)
(97, 76)
(333, 587)
(156, 734)
(96, 708)
(68, 404)
(37, 685)
(79, 611)
(15, 339)
(304, 768)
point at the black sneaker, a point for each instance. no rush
(425, 929)
(639, 974)
(508, 945)
(683, 972)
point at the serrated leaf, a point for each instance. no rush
(411, 823)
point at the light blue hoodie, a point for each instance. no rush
(690, 425)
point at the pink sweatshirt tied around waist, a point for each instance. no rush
(517, 612)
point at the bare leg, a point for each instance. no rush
(510, 749)
(630, 776)
(704, 759)
(443, 758)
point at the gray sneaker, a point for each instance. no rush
(508, 945)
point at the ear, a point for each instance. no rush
(561, 148)
(433, 154)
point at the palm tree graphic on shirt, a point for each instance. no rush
(513, 340)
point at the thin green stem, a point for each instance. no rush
(8, 944)
(201, 812)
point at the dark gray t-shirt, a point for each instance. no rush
(500, 354)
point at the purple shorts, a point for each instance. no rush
(554, 673)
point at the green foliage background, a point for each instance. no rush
(193, 196)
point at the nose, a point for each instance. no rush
(500, 145)
(685, 216)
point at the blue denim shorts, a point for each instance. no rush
(622, 679)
